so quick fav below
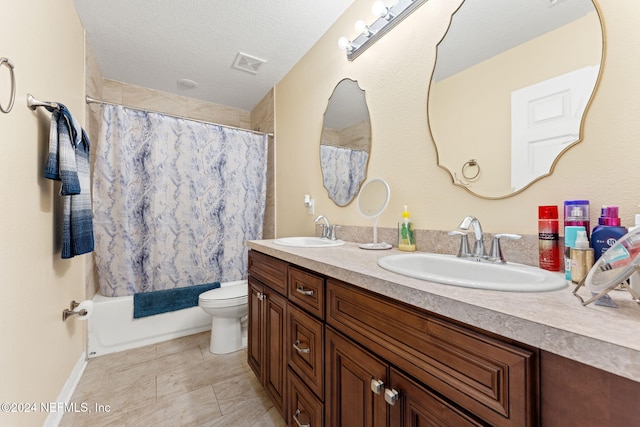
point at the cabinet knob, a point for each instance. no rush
(391, 396)
(303, 291)
(261, 296)
(295, 418)
(377, 386)
(296, 345)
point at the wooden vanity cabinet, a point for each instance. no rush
(462, 370)
(333, 354)
(266, 347)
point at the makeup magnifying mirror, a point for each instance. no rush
(613, 269)
(372, 201)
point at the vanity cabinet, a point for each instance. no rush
(449, 369)
(267, 325)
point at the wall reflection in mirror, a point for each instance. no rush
(345, 142)
(510, 89)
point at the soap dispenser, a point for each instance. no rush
(406, 236)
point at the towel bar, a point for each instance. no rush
(33, 103)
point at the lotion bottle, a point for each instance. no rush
(581, 257)
(406, 236)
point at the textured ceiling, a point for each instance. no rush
(154, 43)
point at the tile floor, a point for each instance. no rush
(174, 383)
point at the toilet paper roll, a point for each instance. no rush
(85, 305)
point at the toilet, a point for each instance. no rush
(229, 307)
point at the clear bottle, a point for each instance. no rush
(577, 213)
(634, 280)
(406, 235)
(581, 257)
(548, 240)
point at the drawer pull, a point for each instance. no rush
(295, 418)
(377, 386)
(303, 291)
(296, 345)
(391, 396)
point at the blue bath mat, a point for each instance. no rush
(156, 302)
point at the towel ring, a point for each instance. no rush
(12, 98)
(466, 169)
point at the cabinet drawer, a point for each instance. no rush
(270, 271)
(492, 379)
(307, 290)
(304, 409)
(305, 351)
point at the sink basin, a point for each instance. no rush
(308, 242)
(451, 270)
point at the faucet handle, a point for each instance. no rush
(495, 254)
(464, 243)
(332, 231)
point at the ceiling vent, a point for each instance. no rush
(247, 63)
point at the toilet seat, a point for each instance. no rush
(225, 296)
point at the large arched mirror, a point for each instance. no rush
(510, 89)
(345, 142)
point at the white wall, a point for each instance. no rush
(45, 40)
(395, 74)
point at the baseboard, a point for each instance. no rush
(54, 418)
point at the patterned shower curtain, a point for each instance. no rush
(174, 201)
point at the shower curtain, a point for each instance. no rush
(174, 201)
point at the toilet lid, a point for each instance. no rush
(225, 292)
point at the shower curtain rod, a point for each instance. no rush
(91, 100)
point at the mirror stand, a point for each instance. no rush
(375, 245)
(372, 201)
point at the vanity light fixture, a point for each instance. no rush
(389, 17)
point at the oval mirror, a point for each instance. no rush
(510, 89)
(372, 201)
(345, 142)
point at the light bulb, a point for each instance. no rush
(344, 43)
(378, 8)
(361, 27)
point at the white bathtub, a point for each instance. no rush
(112, 327)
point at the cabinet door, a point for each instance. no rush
(350, 400)
(274, 369)
(417, 406)
(255, 333)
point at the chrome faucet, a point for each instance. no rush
(479, 253)
(478, 246)
(328, 230)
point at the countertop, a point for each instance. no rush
(602, 337)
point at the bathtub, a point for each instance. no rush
(112, 327)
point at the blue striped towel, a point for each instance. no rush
(68, 162)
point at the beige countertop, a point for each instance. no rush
(602, 337)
